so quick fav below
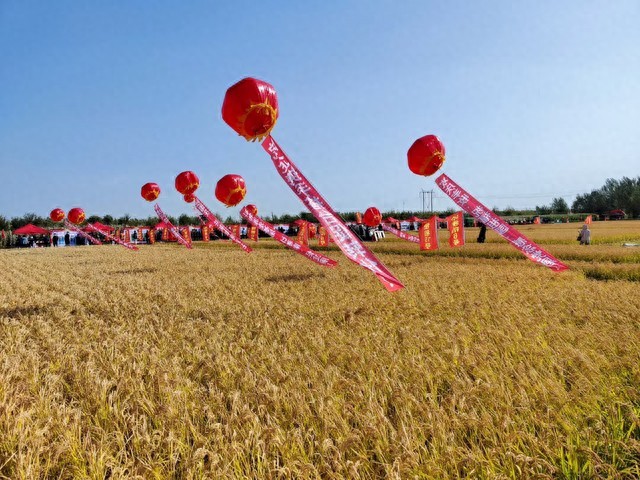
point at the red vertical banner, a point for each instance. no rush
(428, 234)
(165, 234)
(253, 233)
(323, 237)
(186, 233)
(127, 235)
(152, 236)
(235, 229)
(205, 233)
(303, 234)
(536, 221)
(117, 234)
(140, 235)
(358, 218)
(455, 224)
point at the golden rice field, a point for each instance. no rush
(211, 363)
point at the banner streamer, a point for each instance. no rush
(111, 237)
(350, 245)
(71, 226)
(170, 226)
(428, 234)
(270, 230)
(481, 213)
(455, 225)
(218, 225)
(400, 234)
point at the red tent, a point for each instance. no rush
(102, 227)
(390, 220)
(30, 229)
(413, 219)
(161, 225)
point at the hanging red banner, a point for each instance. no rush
(111, 237)
(400, 234)
(71, 226)
(428, 234)
(270, 230)
(253, 233)
(140, 235)
(303, 234)
(127, 237)
(348, 242)
(481, 213)
(218, 225)
(152, 236)
(455, 224)
(235, 229)
(162, 216)
(323, 237)
(205, 233)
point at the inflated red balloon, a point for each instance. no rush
(250, 107)
(231, 189)
(426, 155)
(189, 198)
(150, 191)
(252, 209)
(57, 215)
(187, 182)
(372, 217)
(76, 215)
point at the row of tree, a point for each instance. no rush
(621, 194)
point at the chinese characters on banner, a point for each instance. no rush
(270, 230)
(235, 229)
(348, 242)
(170, 227)
(428, 234)
(152, 236)
(205, 233)
(303, 233)
(323, 237)
(218, 225)
(481, 213)
(400, 234)
(165, 234)
(108, 236)
(127, 235)
(140, 235)
(253, 233)
(455, 224)
(70, 226)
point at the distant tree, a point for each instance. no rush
(107, 220)
(559, 205)
(184, 219)
(508, 211)
(623, 194)
(543, 209)
(125, 219)
(229, 220)
(94, 219)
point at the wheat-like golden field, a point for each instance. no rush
(211, 363)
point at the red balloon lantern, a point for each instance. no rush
(231, 189)
(57, 215)
(252, 209)
(189, 198)
(76, 215)
(187, 182)
(372, 217)
(426, 155)
(150, 191)
(250, 107)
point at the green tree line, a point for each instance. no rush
(623, 194)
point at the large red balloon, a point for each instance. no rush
(76, 215)
(189, 198)
(231, 189)
(372, 217)
(187, 182)
(250, 107)
(150, 191)
(57, 215)
(252, 209)
(426, 155)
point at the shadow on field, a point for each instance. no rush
(293, 277)
(134, 271)
(22, 311)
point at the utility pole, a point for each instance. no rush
(423, 194)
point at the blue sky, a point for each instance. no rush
(532, 99)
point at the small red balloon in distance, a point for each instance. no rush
(250, 107)
(189, 198)
(252, 209)
(426, 155)
(57, 215)
(231, 189)
(187, 182)
(372, 217)
(76, 215)
(150, 191)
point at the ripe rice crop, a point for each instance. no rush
(211, 363)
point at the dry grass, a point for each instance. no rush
(212, 363)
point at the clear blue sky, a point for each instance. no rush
(532, 99)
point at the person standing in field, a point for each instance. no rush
(483, 233)
(584, 235)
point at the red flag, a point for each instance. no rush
(303, 233)
(253, 233)
(428, 234)
(358, 218)
(455, 224)
(323, 237)
(536, 221)
(127, 234)
(152, 236)
(588, 220)
(235, 229)
(205, 233)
